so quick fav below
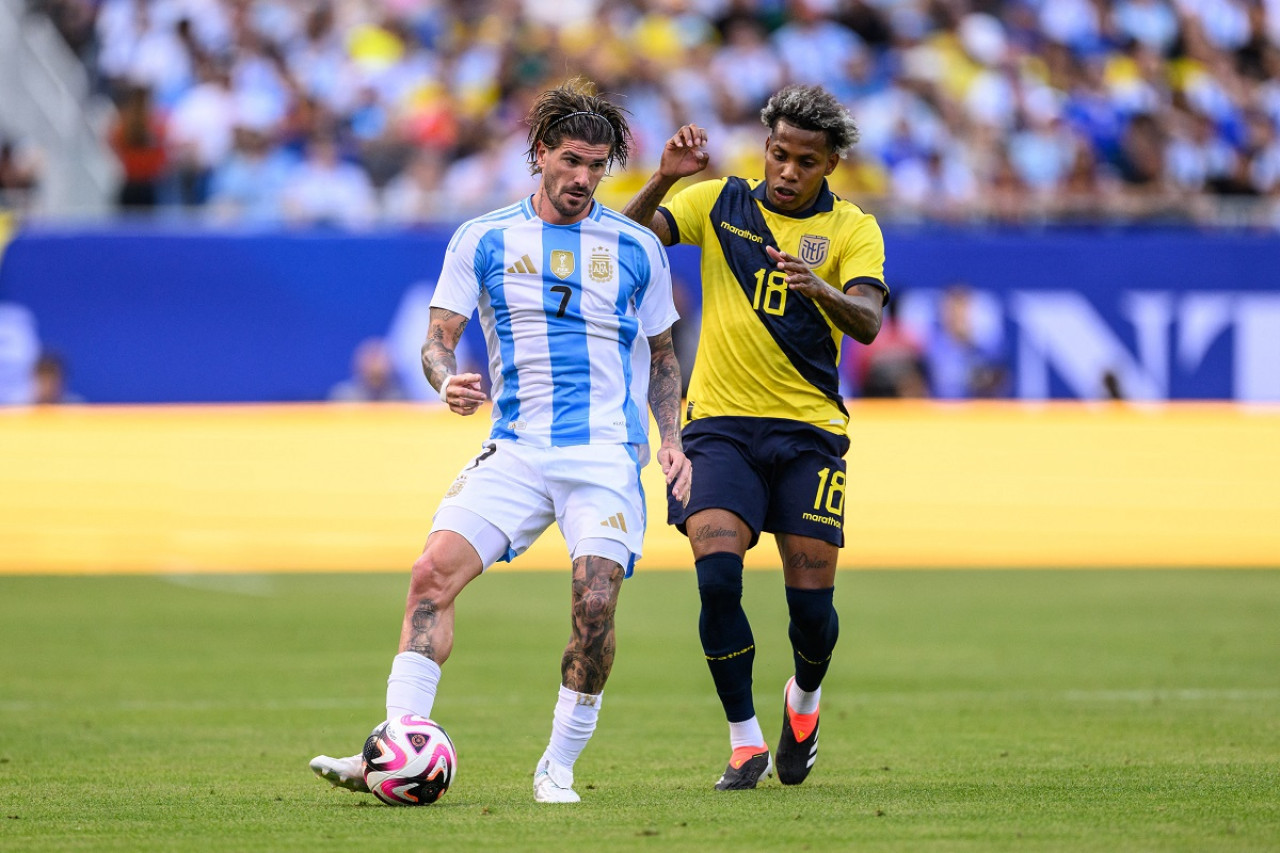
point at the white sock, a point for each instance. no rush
(802, 701)
(746, 733)
(572, 725)
(411, 687)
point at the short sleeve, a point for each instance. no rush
(862, 258)
(653, 299)
(657, 311)
(689, 209)
(458, 288)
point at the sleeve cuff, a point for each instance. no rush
(671, 225)
(874, 282)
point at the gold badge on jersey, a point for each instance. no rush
(562, 263)
(601, 268)
(813, 249)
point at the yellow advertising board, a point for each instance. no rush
(324, 487)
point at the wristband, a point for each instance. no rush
(444, 389)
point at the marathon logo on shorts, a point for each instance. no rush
(830, 521)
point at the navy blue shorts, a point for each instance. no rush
(777, 475)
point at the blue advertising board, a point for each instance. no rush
(154, 314)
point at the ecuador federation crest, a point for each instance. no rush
(813, 249)
(562, 263)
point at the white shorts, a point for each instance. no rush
(591, 491)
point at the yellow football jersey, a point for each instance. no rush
(766, 351)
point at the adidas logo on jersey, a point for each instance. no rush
(617, 522)
(523, 266)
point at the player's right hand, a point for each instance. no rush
(464, 394)
(685, 153)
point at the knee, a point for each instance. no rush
(592, 613)
(596, 584)
(720, 577)
(813, 612)
(432, 577)
(720, 592)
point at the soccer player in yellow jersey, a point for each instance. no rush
(788, 269)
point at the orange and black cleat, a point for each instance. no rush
(746, 766)
(798, 747)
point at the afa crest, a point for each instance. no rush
(601, 268)
(813, 249)
(458, 485)
(562, 263)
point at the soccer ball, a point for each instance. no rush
(409, 761)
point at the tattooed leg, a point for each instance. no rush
(714, 531)
(719, 540)
(809, 573)
(807, 563)
(589, 656)
(446, 565)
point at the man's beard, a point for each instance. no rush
(560, 203)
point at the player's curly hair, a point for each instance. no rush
(574, 110)
(812, 108)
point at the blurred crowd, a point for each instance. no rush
(352, 112)
(947, 345)
(20, 168)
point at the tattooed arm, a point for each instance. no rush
(684, 154)
(664, 400)
(463, 392)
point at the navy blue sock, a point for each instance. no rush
(813, 631)
(726, 633)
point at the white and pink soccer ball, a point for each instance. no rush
(409, 761)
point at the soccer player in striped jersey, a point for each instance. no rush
(788, 269)
(576, 306)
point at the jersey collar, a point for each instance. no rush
(824, 202)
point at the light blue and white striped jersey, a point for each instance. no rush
(567, 311)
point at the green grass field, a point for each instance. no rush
(965, 711)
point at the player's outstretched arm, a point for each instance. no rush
(664, 399)
(460, 391)
(684, 154)
(857, 313)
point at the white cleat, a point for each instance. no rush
(342, 772)
(553, 783)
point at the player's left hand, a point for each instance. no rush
(679, 471)
(798, 274)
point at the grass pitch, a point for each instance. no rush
(965, 711)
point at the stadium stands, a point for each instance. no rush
(988, 111)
